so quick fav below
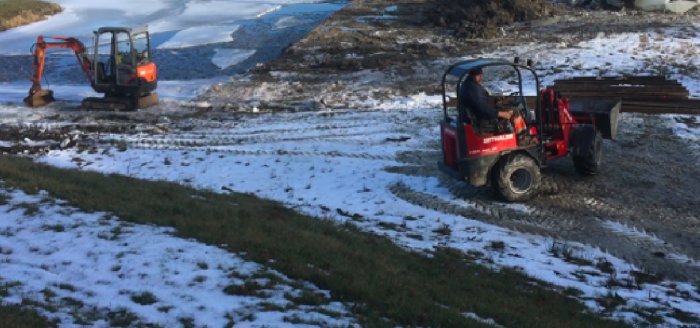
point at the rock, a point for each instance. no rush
(203, 105)
(65, 143)
(681, 6)
(651, 5)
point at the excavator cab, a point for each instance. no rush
(120, 67)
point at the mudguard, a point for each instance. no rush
(478, 168)
(582, 137)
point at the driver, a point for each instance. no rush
(488, 118)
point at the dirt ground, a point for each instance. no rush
(642, 207)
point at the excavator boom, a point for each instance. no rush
(39, 96)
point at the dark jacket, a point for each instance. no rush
(474, 96)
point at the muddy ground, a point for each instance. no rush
(650, 181)
(373, 49)
(376, 50)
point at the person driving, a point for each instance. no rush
(476, 98)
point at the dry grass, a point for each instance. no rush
(15, 13)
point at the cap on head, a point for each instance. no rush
(475, 72)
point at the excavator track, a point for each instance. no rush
(119, 104)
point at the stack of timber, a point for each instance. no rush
(639, 94)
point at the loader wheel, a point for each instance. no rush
(589, 162)
(518, 178)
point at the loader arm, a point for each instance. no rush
(37, 96)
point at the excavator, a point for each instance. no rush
(120, 67)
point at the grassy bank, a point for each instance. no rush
(17, 317)
(388, 284)
(15, 13)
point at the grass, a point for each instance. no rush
(18, 317)
(15, 13)
(307, 298)
(145, 298)
(684, 317)
(249, 288)
(387, 285)
(121, 318)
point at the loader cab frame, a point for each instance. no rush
(479, 156)
(511, 161)
(459, 73)
(460, 119)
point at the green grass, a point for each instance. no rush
(388, 285)
(17, 317)
(15, 13)
(145, 298)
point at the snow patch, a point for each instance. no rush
(108, 265)
(332, 165)
(224, 58)
(192, 19)
(199, 35)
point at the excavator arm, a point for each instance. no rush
(38, 96)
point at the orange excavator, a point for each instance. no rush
(120, 67)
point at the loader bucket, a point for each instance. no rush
(605, 111)
(40, 98)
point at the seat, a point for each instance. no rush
(102, 76)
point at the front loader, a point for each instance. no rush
(511, 162)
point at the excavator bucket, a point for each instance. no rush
(39, 98)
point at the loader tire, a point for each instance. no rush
(518, 178)
(588, 163)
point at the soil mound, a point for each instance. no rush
(482, 18)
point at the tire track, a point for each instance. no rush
(279, 152)
(630, 189)
(577, 208)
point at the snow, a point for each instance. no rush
(104, 263)
(196, 22)
(333, 166)
(686, 127)
(177, 91)
(286, 21)
(293, 158)
(672, 52)
(224, 58)
(200, 35)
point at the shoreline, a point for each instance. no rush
(371, 53)
(13, 16)
(258, 39)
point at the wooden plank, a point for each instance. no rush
(660, 110)
(623, 88)
(689, 107)
(647, 79)
(610, 82)
(685, 106)
(627, 96)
